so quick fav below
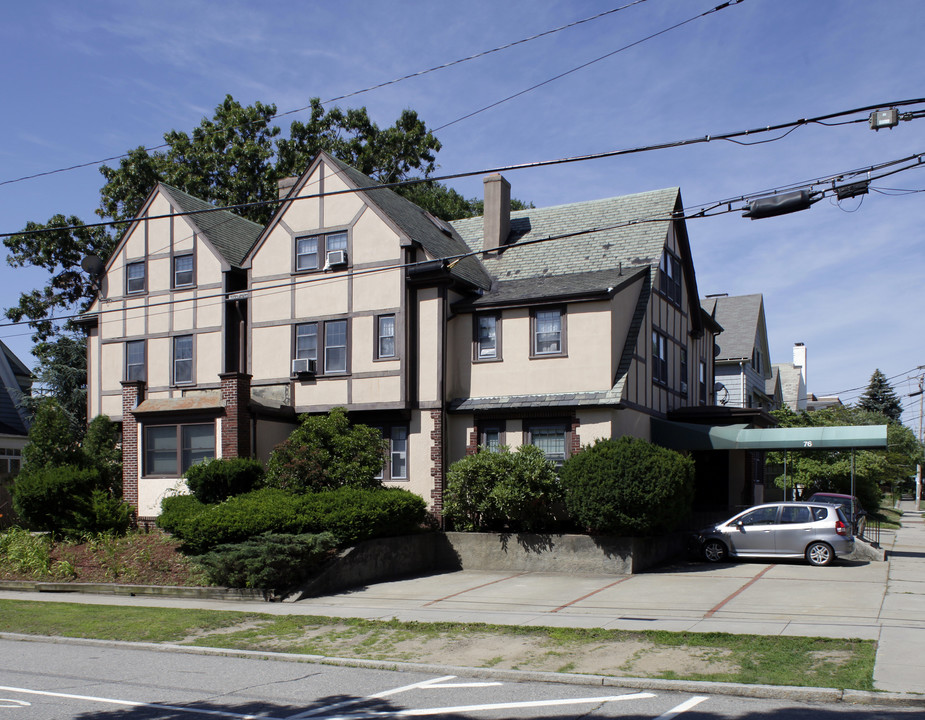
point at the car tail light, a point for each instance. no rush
(840, 528)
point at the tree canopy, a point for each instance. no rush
(881, 398)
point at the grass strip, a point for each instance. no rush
(720, 657)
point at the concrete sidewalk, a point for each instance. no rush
(883, 601)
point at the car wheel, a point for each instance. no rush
(819, 554)
(714, 551)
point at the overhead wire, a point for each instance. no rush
(354, 93)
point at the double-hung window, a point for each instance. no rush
(491, 436)
(183, 359)
(395, 464)
(487, 330)
(313, 252)
(171, 450)
(670, 277)
(703, 382)
(385, 336)
(659, 358)
(135, 277)
(335, 346)
(306, 341)
(183, 271)
(684, 371)
(548, 332)
(135, 360)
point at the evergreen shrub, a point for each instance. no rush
(270, 562)
(517, 491)
(349, 514)
(220, 478)
(176, 511)
(628, 487)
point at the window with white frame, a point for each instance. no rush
(306, 341)
(135, 360)
(183, 271)
(311, 252)
(551, 438)
(670, 276)
(548, 332)
(10, 461)
(659, 358)
(135, 277)
(335, 346)
(183, 359)
(395, 464)
(171, 450)
(703, 382)
(487, 336)
(385, 337)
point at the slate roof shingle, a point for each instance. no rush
(739, 315)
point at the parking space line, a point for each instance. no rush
(742, 589)
(477, 587)
(593, 592)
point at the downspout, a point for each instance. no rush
(742, 393)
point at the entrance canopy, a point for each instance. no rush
(690, 436)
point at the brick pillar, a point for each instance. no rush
(575, 440)
(236, 426)
(133, 392)
(436, 456)
(473, 447)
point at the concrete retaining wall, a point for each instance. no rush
(390, 558)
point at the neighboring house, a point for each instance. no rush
(793, 379)
(211, 334)
(744, 376)
(15, 383)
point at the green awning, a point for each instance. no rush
(690, 436)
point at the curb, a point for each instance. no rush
(778, 692)
(176, 591)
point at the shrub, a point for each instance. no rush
(23, 552)
(492, 490)
(176, 511)
(218, 479)
(628, 487)
(349, 514)
(56, 499)
(100, 449)
(327, 452)
(270, 562)
(108, 514)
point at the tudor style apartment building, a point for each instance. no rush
(554, 326)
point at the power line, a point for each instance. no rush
(354, 93)
(561, 161)
(587, 64)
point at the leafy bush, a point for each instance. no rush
(218, 479)
(327, 452)
(56, 499)
(23, 552)
(69, 501)
(493, 490)
(349, 514)
(628, 487)
(100, 449)
(270, 562)
(176, 511)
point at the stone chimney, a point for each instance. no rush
(799, 359)
(497, 217)
(284, 185)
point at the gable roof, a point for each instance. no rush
(14, 376)
(231, 235)
(740, 317)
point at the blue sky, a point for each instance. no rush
(90, 80)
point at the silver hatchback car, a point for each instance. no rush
(816, 531)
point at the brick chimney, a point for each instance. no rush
(497, 217)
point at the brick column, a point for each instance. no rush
(436, 456)
(575, 444)
(236, 426)
(133, 392)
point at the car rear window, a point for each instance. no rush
(820, 513)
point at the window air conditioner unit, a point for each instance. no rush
(303, 366)
(336, 257)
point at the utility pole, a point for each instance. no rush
(918, 470)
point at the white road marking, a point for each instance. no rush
(683, 707)
(13, 703)
(134, 704)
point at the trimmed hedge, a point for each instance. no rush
(176, 511)
(349, 514)
(221, 478)
(628, 487)
(273, 563)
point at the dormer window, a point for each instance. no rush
(317, 252)
(135, 277)
(183, 271)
